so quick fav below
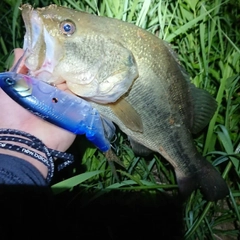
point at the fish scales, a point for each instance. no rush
(132, 78)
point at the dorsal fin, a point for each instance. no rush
(127, 114)
(204, 108)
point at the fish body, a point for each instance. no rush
(133, 79)
(58, 107)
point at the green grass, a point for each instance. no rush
(206, 36)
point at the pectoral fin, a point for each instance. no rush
(127, 114)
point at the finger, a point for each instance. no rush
(64, 87)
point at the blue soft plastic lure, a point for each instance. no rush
(56, 106)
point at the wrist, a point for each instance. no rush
(32, 149)
(43, 169)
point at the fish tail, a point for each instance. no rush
(211, 183)
(207, 179)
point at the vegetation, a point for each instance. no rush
(206, 36)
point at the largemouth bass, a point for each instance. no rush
(133, 79)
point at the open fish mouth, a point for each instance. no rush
(38, 44)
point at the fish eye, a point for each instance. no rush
(9, 81)
(67, 27)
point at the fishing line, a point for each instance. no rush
(16, 66)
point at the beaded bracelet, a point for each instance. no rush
(35, 143)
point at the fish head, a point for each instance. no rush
(65, 45)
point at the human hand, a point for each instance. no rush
(14, 116)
